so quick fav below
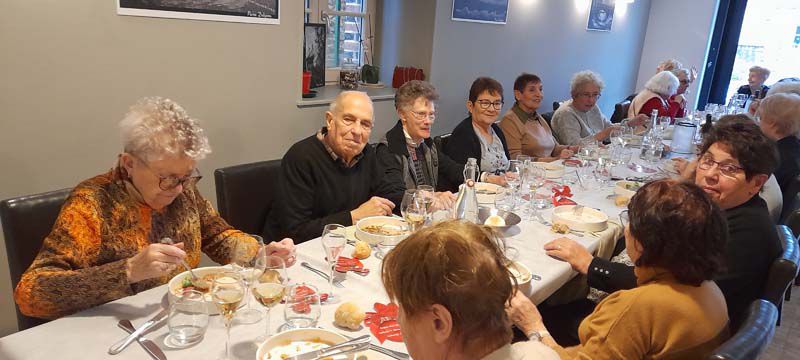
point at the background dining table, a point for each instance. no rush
(89, 334)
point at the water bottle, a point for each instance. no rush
(466, 207)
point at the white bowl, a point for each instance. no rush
(590, 219)
(390, 222)
(551, 170)
(522, 273)
(622, 190)
(306, 334)
(485, 192)
(175, 288)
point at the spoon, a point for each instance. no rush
(168, 241)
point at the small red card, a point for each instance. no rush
(345, 264)
(302, 292)
(383, 322)
(562, 195)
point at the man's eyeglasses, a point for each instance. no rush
(167, 183)
(423, 115)
(729, 170)
(590, 95)
(484, 104)
(624, 220)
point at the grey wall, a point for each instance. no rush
(674, 31)
(545, 37)
(70, 69)
(406, 36)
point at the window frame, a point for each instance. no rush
(317, 11)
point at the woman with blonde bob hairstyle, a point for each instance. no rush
(655, 95)
(452, 286)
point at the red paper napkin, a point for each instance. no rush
(345, 264)
(562, 195)
(300, 294)
(383, 322)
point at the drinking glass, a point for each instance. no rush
(513, 176)
(427, 192)
(227, 291)
(270, 288)
(413, 209)
(503, 200)
(302, 306)
(538, 177)
(333, 242)
(188, 320)
(246, 262)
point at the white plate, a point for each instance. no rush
(175, 288)
(485, 192)
(590, 219)
(551, 170)
(308, 334)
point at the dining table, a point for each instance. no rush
(89, 334)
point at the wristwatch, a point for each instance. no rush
(538, 335)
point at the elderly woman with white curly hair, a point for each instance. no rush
(107, 240)
(655, 95)
(780, 122)
(580, 118)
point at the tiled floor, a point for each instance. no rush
(786, 343)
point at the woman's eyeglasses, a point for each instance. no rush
(167, 183)
(423, 115)
(729, 170)
(484, 104)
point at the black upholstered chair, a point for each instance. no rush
(440, 141)
(620, 111)
(792, 206)
(753, 336)
(245, 194)
(27, 220)
(548, 117)
(556, 105)
(783, 270)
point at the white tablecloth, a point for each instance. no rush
(88, 335)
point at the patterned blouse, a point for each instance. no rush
(493, 157)
(82, 262)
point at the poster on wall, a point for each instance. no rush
(481, 11)
(601, 15)
(314, 36)
(242, 11)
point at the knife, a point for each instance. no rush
(122, 344)
(148, 345)
(350, 346)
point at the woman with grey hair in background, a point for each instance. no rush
(780, 122)
(655, 95)
(408, 155)
(107, 242)
(580, 118)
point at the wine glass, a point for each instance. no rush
(270, 287)
(538, 177)
(427, 193)
(333, 242)
(513, 176)
(413, 209)
(246, 262)
(302, 308)
(227, 291)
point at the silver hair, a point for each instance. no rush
(783, 111)
(156, 127)
(764, 72)
(409, 93)
(668, 65)
(785, 87)
(663, 83)
(336, 104)
(585, 77)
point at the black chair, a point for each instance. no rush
(27, 220)
(556, 105)
(753, 336)
(783, 270)
(440, 141)
(245, 194)
(548, 117)
(791, 206)
(620, 111)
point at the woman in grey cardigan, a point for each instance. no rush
(580, 118)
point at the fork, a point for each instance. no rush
(389, 352)
(336, 282)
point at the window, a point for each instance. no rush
(349, 31)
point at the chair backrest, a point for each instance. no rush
(548, 117)
(556, 105)
(793, 222)
(620, 111)
(245, 194)
(753, 335)
(792, 204)
(783, 269)
(27, 220)
(441, 140)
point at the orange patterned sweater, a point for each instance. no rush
(82, 262)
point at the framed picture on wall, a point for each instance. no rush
(601, 15)
(314, 36)
(481, 11)
(242, 11)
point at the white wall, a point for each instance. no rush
(544, 37)
(70, 69)
(406, 36)
(678, 29)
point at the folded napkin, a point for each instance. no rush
(383, 322)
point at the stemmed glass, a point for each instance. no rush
(246, 262)
(227, 291)
(537, 179)
(413, 209)
(513, 176)
(333, 242)
(270, 287)
(427, 192)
